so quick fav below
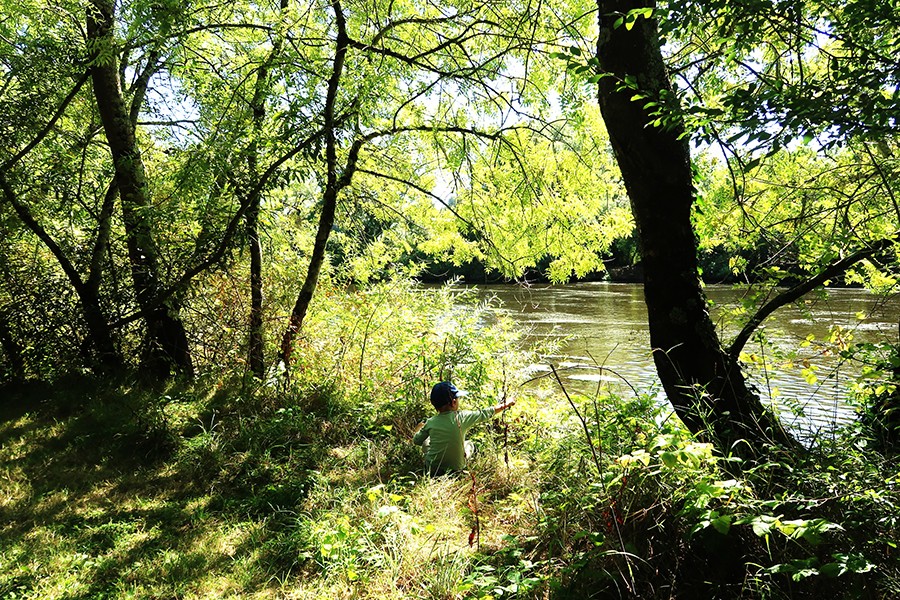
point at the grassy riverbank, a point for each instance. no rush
(230, 489)
(215, 492)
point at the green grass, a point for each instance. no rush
(233, 506)
(217, 491)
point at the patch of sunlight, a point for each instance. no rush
(221, 540)
(97, 501)
(318, 589)
(14, 448)
(339, 453)
(129, 543)
(216, 587)
(15, 487)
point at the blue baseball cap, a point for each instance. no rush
(444, 393)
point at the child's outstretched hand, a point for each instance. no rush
(504, 406)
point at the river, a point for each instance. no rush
(606, 324)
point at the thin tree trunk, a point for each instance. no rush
(99, 332)
(704, 384)
(12, 350)
(100, 337)
(332, 187)
(167, 341)
(256, 351)
(301, 306)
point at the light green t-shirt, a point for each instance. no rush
(446, 433)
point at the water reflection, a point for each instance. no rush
(606, 324)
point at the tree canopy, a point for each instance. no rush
(168, 163)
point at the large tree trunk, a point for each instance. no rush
(167, 341)
(705, 386)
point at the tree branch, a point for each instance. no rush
(49, 126)
(28, 219)
(804, 287)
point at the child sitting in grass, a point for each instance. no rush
(443, 436)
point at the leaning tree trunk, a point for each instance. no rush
(100, 336)
(333, 185)
(705, 386)
(168, 346)
(301, 306)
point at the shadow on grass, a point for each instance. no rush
(96, 487)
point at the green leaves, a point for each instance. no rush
(630, 18)
(800, 569)
(534, 199)
(809, 530)
(586, 68)
(810, 71)
(711, 518)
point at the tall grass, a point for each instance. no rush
(233, 489)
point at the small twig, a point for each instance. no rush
(587, 432)
(505, 424)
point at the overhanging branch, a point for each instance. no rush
(804, 287)
(49, 126)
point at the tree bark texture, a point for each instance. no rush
(168, 348)
(705, 386)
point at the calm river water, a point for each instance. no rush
(606, 323)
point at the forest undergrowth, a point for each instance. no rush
(226, 488)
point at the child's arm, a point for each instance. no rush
(419, 434)
(504, 406)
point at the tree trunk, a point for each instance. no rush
(108, 358)
(334, 184)
(705, 386)
(12, 350)
(167, 341)
(100, 336)
(256, 351)
(301, 306)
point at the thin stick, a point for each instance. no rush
(587, 432)
(505, 425)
